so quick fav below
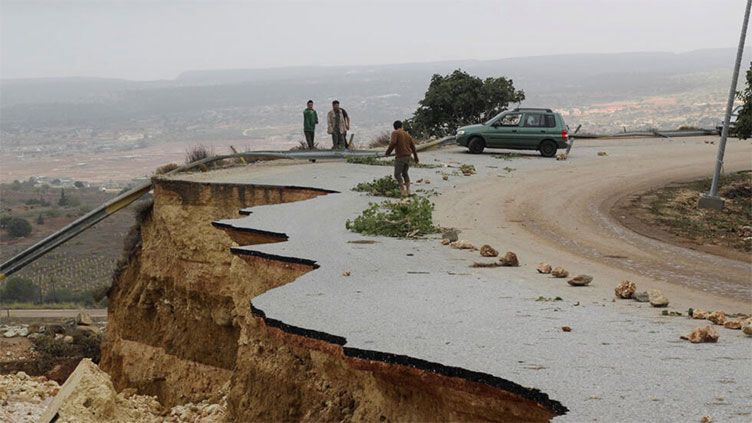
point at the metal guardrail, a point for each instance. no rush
(107, 209)
(664, 134)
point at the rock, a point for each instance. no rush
(346, 273)
(11, 332)
(602, 153)
(419, 181)
(625, 289)
(59, 336)
(462, 245)
(23, 332)
(559, 272)
(656, 298)
(509, 259)
(450, 234)
(699, 313)
(717, 317)
(747, 329)
(702, 334)
(68, 339)
(488, 251)
(641, 297)
(544, 268)
(566, 329)
(561, 156)
(733, 324)
(427, 181)
(580, 280)
(445, 241)
(445, 177)
(83, 319)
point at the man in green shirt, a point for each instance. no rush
(310, 120)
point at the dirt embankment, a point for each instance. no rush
(181, 327)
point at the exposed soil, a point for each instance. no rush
(673, 211)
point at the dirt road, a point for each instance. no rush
(560, 212)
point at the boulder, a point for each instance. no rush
(68, 339)
(488, 251)
(702, 334)
(544, 268)
(699, 313)
(641, 297)
(450, 234)
(93, 329)
(11, 332)
(445, 241)
(717, 317)
(733, 324)
(656, 298)
(559, 272)
(83, 319)
(602, 153)
(561, 156)
(580, 280)
(747, 329)
(23, 332)
(509, 259)
(462, 245)
(625, 289)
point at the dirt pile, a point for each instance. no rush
(181, 328)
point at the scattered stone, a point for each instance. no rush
(747, 328)
(509, 259)
(488, 251)
(544, 268)
(445, 177)
(580, 280)
(346, 273)
(561, 156)
(462, 245)
(641, 297)
(482, 264)
(702, 334)
(733, 324)
(23, 332)
(59, 336)
(559, 272)
(706, 419)
(717, 317)
(450, 234)
(566, 329)
(670, 313)
(68, 339)
(445, 241)
(656, 298)
(83, 319)
(427, 181)
(419, 181)
(602, 153)
(625, 289)
(699, 313)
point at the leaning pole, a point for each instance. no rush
(712, 200)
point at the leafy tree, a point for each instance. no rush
(743, 127)
(63, 201)
(18, 290)
(18, 227)
(460, 99)
(4, 220)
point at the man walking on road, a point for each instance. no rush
(310, 120)
(338, 123)
(402, 144)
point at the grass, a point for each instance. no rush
(409, 218)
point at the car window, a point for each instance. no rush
(533, 120)
(512, 119)
(550, 121)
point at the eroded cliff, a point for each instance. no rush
(182, 327)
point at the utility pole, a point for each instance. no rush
(711, 200)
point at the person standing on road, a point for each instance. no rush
(338, 123)
(310, 120)
(402, 144)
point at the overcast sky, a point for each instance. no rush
(159, 39)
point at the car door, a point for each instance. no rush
(533, 130)
(504, 133)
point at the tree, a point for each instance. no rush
(18, 290)
(62, 202)
(743, 128)
(18, 227)
(40, 219)
(460, 99)
(79, 184)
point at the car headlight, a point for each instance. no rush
(460, 132)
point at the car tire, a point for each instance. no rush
(476, 145)
(547, 148)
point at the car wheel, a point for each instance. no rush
(476, 145)
(547, 148)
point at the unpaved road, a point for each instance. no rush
(559, 212)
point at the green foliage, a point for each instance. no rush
(460, 99)
(743, 127)
(384, 187)
(18, 290)
(66, 295)
(377, 161)
(51, 347)
(408, 218)
(18, 227)
(4, 220)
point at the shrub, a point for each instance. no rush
(198, 152)
(18, 290)
(18, 227)
(161, 170)
(382, 140)
(302, 145)
(384, 187)
(406, 219)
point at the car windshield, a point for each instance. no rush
(494, 119)
(737, 110)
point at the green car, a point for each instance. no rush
(518, 129)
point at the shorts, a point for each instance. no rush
(401, 165)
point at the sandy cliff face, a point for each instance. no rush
(181, 327)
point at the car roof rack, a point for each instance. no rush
(519, 109)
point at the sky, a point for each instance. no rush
(159, 39)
